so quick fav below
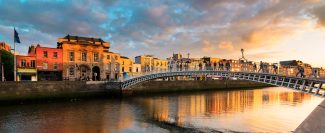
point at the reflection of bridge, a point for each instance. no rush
(311, 86)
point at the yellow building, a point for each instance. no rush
(126, 65)
(146, 62)
(160, 65)
(149, 63)
(112, 65)
(83, 57)
(136, 69)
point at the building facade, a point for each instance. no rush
(150, 63)
(136, 69)
(146, 62)
(26, 68)
(211, 62)
(178, 63)
(83, 57)
(160, 65)
(48, 62)
(126, 66)
(5, 46)
(112, 65)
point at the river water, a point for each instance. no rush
(272, 109)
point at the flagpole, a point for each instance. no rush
(15, 77)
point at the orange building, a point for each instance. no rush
(26, 68)
(5, 46)
(83, 57)
(48, 62)
(112, 65)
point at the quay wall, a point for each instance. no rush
(315, 122)
(49, 90)
(43, 90)
(185, 86)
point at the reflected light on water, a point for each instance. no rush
(270, 109)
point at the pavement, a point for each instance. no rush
(315, 122)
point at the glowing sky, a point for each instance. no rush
(269, 30)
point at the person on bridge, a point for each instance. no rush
(314, 73)
(254, 68)
(220, 65)
(215, 66)
(300, 71)
(228, 66)
(261, 67)
(275, 69)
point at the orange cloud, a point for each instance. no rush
(208, 47)
(226, 45)
(266, 36)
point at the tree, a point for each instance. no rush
(7, 59)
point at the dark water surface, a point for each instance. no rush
(272, 109)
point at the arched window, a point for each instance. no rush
(71, 71)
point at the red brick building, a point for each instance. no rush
(5, 46)
(48, 62)
(26, 68)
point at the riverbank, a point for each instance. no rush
(157, 87)
(52, 90)
(67, 90)
(315, 122)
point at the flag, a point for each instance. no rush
(16, 39)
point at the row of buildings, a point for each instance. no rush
(86, 58)
(81, 58)
(289, 68)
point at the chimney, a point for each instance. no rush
(68, 37)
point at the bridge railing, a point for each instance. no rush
(282, 72)
(184, 70)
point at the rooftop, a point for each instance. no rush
(83, 38)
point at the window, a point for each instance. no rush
(45, 54)
(108, 57)
(45, 65)
(116, 58)
(122, 69)
(130, 69)
(137, 70)
(33, 63)
(71, 71)
(55, 66)
(71, 56)
(23, 63)
(96, 57)
(55, 55)
(84, 56)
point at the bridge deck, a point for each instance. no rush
(312, 86)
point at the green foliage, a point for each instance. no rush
(7, 59)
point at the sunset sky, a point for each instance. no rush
(269, 30)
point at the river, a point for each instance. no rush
(271, 109)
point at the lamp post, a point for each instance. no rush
(2, 73)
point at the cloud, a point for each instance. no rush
(319, 13)
(208, 47)
(226, 45)
(159, 27)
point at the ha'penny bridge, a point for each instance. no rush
(306, 85)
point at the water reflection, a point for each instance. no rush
(83, 117)
(268, 109)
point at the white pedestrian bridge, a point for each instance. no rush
(307, 85)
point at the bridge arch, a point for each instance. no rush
(312, 86)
